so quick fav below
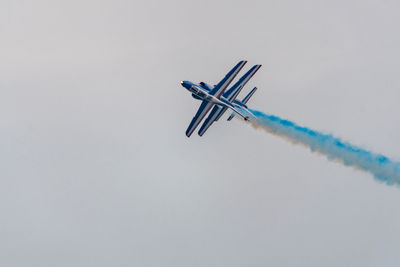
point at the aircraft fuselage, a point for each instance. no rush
(201, 93)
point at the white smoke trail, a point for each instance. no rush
(381, 167)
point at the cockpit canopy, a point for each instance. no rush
(205, 86)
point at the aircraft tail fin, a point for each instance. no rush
(244, 101)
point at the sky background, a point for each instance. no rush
(95, 168)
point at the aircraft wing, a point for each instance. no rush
(224, 83)
(216, 111)
(201, 113)
(233, 92)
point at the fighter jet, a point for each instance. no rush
(220, 99)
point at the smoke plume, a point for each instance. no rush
(381, 167)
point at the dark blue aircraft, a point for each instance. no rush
(220, 99)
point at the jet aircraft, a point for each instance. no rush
(220, 99)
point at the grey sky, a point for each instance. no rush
(95, 169)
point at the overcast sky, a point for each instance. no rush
(95, 168)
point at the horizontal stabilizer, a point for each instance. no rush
(244, 101)
(247, 97)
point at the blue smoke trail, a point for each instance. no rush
(381, 167)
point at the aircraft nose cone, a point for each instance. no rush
(185, 84)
